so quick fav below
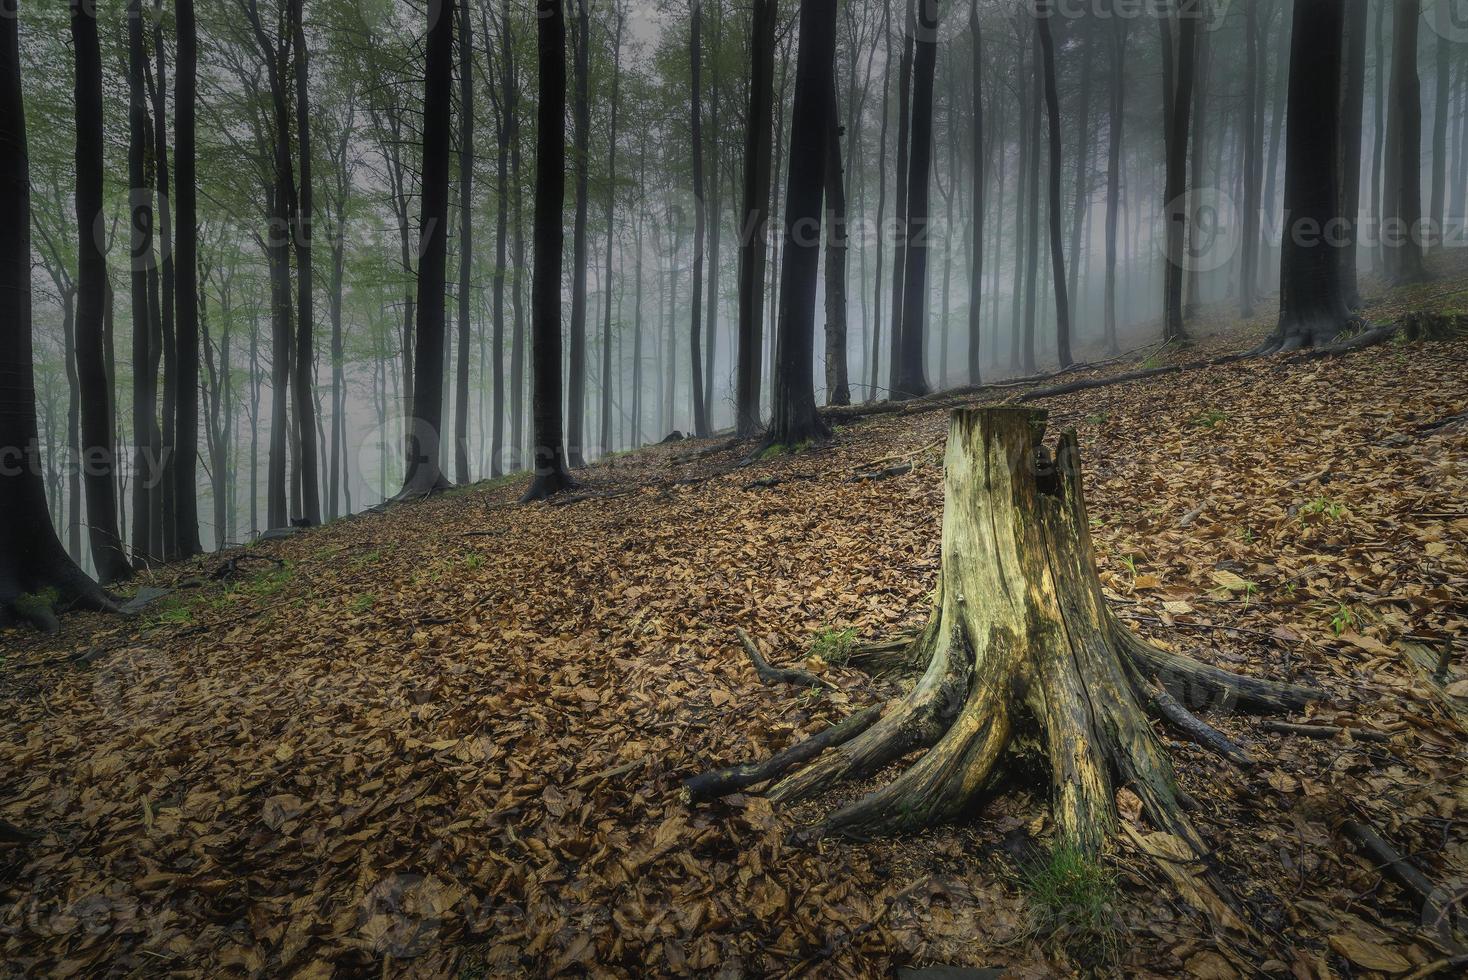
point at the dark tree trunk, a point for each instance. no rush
(576, 402)
(511, 93)
(902, 231)
(303, 380)
(700, 215)
(551, 476)
(1035, 84)
(1353, 103)
(795, 419)
(1312, 306)
(186, 283)
(1174, 196)
(32, 560)
(1400, 232)
(145, 390)
(1116, 127)
(1202, 61)
(462, 473)
(838, 388)
(1442, 96)
(501, 239)
(1253, 137)
(753, 239)
(1281, 78)
(1378, 131)
(711, 319)
(161, 295)
(1081, 209)
(73, 428)
(872, 371)
(912, 379)
(423, 475)
(1057, 252)
(109, 553)
(611, 219)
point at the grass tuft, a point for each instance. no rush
(833, 646)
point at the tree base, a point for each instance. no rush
(35, 594)
(1021, 650)
(547, 485)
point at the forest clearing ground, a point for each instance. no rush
(449, 738)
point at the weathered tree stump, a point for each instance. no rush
(1021, 650)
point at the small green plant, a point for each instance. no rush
(1153, 362)
(474, 561)
(362, 603)
(1342, 620)
(1210, 419)
(1073, 896)
(267, 584)
(1324, 507)
(1098, 419)
(780, 449)
(1129, 562)
(833, 645)
(1247, 535)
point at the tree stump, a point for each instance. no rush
(1021, 650)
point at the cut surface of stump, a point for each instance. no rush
(1021, 650)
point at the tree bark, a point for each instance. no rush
(1057, 252)
(838, 388)
(700, 215)
(607, 437)
(754, 230)
(1022, 647)
(980, 162)
(186, 284)
(576, 394)
(462, 473)
(109, 553)
(912, 376)
(1180, 99)
(904, 151)
(1116, 130)
(423, 474)
(1353, 103)
(795, 420)
(1403, 218)
(551, 476)
(1312, 305)
(32, 559)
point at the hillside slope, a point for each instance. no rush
(449, 738)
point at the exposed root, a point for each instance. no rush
(1187, 723)
(1198, 685)
(903, 654)
(722, 782)
(916, 722)
(778, 675)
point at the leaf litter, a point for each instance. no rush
(448, 739)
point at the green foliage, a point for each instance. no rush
(1343, 619)
(1210, 419)
(779, 449)
(833, 645)
(267, 584)
(362, 603)
(1072, 895)
(473, 561)
(1324, 507)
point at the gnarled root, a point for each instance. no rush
(1021, 645)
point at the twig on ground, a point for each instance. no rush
(778, 675)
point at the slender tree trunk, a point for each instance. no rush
(1441, 97)
(1253, 137)
(1378, 133)
(31, 557)
(1116, 130)
(1032, 202)
(304, 380)
(73, 428)
(1271, 169)
(700, 216)
(611, 219)
(576, 406)
(186, 282)
(141, 227)
(901, 227)
(1057, 253)
(551, 476)
(1402, 220)
(912, 380)
(1175, 193)
(1203, 62)
(92, 341)
(711, 320)
(1353, 102)
(1081, 211)
(876, 357)
(423, 475)
(795, 419)
(462, 474)
(838, 389)
(754, 230)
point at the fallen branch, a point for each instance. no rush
(1435, 901)
(884, 474)
(1324, 731)
(1198, 730)
(1089, 384)
(231, 566)
(722, 782)
(778, 675)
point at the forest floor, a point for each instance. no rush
(449, 739)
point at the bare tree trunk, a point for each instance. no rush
(838, 389)
(93, 344)
(1404, 151)
(1116, 131)
(462, 473)
(606, 333)
(1057, 253)
(912, 380)
(576, 392)
(754, 229)
(700, 217)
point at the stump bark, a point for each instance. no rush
(1021, 652)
